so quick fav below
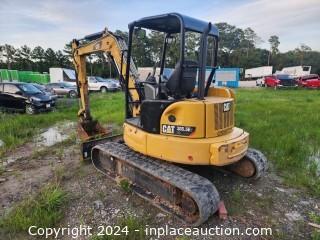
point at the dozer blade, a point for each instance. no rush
(188, 196)
(253, 165)
(87, 146)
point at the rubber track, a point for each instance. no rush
(260, 162)
(199, 188)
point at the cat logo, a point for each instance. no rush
(178, 130)
(169, 129)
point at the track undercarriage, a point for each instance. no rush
(184, 194)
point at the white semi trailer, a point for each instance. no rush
(62, 75)
(296, 71)
(258, 72)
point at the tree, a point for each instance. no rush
(237, 48)
(38, 54)
(156, 44)
(62, 59)
(38, 57)
(305, 48)
(122, 34)
(68, 50)
(274, 44)
(231, 39)
(1, 55)
(141, 53)
(250, 39)
(8, 54)
(50, 58)
(301, 51)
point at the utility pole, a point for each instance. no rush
(109, 69)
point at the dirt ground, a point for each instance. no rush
(96, 200)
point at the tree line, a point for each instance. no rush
(237, 48)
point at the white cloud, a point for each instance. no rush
(294, 21)
(52, 23)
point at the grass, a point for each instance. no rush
(315, 219)
(284, 125)
(16, 129)
(125, 185)
(43, 210)
(235, 202)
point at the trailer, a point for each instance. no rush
(296, 71)
(62, 75)
(258, 72)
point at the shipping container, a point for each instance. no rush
(62, 75)
(258, 72)
(14, 75)
(4, 75)
(228, 77)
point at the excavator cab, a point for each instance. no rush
(188, 78)
(188, 74)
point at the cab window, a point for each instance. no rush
(92, 80)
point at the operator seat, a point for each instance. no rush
(151, 87)
(182, 80)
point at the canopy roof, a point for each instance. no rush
(172, 22)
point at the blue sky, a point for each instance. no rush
(52, 23)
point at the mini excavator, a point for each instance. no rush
(170, 121)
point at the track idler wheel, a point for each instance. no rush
(253, 165)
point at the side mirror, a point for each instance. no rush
(18, 93)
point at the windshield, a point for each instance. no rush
(67, 84)
(284, 77)
(29, 88)
(40, 87)
(100, 79)
(111, 80)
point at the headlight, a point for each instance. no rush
(35, 99)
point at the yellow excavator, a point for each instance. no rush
(170, 121)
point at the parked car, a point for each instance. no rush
(117, 82)
(24, 97)
(279, 81)
(260, 82)
(100, 84)
(62, 89)
(309, 81)
(43, 89)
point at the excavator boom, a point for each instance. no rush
(114, 47)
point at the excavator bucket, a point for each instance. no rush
(91, 133)
(88, 130)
